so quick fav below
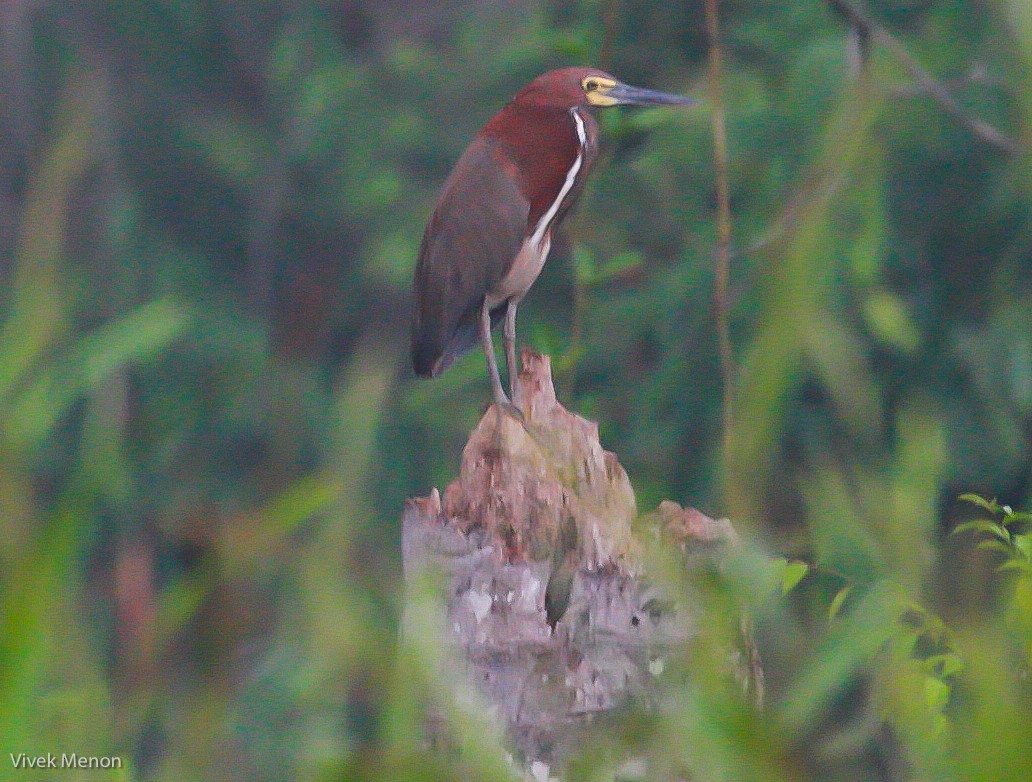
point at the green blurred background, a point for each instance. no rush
(209, 217)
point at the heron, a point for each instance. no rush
(491, 228)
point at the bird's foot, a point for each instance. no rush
(505, 407)
(510, 409)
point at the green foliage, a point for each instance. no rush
(209, 213)
(789, 573)
(1008, 534)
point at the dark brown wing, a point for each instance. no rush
(474, 233)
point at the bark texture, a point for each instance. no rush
(548, 605)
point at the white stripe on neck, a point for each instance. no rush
(571, 176)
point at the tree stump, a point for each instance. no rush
(547, 603)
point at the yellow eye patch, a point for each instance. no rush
(595, 89)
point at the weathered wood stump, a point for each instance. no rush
(547, 604)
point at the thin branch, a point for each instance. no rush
(723, 249)
(935, 88)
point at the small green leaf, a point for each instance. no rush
(994, 545)
(1017, 518)
(891, 322)
(1020, 565)
(584, 267)
(1023, 544)
(906, 641)
(982, 525)
(793, 573)
(836, 604)
(937, 693)
(990, 505)
(619, 264)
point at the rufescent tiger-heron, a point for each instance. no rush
(491, 229)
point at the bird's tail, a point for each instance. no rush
(430, 359)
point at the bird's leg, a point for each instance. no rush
(510, 350)
(502, 402)
(492, 364)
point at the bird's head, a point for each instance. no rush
(567, 88)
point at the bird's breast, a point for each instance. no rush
(525, 268)
(548, 152)
(548, 155)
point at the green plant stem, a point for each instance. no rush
(723, 248)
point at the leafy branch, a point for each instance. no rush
(868, 30)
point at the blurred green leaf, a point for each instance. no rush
(794, 572)
(793, 292)
(937, 693)
(1021, 565)
(839, 600)
(1023, 545)
(35, 411)
(994, 545)
(982, 525)
(850, 645)
(887, 317)
(1011, 517)
(36, 312)
(989, 505)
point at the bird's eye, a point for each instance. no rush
(591, 85)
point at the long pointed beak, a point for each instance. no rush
(626, 95)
